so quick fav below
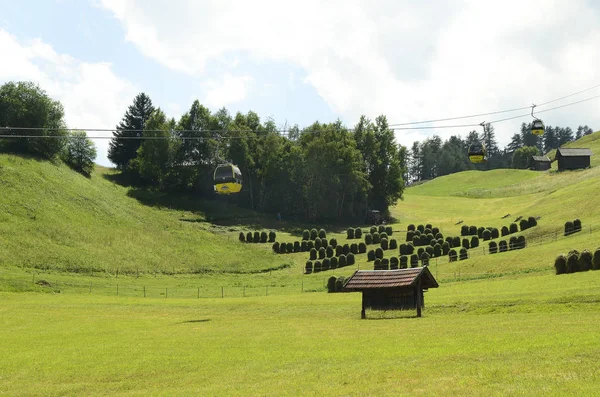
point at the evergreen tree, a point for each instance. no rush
(550, 139)
(516, 142)
(122, 151)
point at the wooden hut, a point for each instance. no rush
(400, 289)
(573, 158)
(540, 163)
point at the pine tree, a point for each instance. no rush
(516, 143)
(122, 151)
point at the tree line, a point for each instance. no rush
(433, 157)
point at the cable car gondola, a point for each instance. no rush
(537, 127)
(227, 179)
(477, 153)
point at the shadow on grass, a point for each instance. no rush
(196, 321)
(221, 210)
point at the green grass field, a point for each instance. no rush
(220, 317)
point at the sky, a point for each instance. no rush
(302, 61)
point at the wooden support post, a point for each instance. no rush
(419, 297)
(362, 312)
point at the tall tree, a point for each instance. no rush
(522, 156)
(122, 151)
(564, 135)
(550, 139)
(489, 139)
(80, 153)
(26, 105)
(516, 142)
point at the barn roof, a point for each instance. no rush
(574, 152)
(400, 278)
(541, 158)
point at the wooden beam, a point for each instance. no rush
(419, 296)
(362, 312)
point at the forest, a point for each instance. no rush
(325, 171)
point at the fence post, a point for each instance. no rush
(166, 292)
(198, 292)
(144, 291)
(222, 292)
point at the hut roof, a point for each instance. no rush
(574, 152)
(400, 278)
(541, 158)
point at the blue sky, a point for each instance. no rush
(305, 61)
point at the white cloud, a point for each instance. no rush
(228, 90)
(92, 95)
(408, 60)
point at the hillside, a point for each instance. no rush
(53, 218)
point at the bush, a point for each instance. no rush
(334, 262)
(290, 247)
(326, 265)
(377, 264)
(487, 235)
(429, 250)
(318, 243)
(393, 244)
(322, 233)
(283, 248)
(414, 260)
(264, 237)
(324, 243)
(373, 230)
(256, 237)
(314, 234)
(333, 242)
(474, 242)
(339, 284)
(576, 226)
(445, 248)
(376, 238)
(309, 267)
(410, 249)
(505, 231)
(313, 254)
(472, 230)
(585, 261)
(502, 246)
(249, 237)
(436, 231)
(381, 229)
(379, 253)
(420, 251)
(310, 244)
(358, 232)
(275, 247)
(532, 222)
(383, 235)
(296, 246)
(331, 284)
(429, 226)
(439, 236)
(317, 267)
(343, 260)
(466, 243)
(427, 231)
(346, 249)
(403, 249)
(371, 256)
(362, 248)
(596, 260)
(385, 264)
(242, 237)
(513, 243)
(305, 235)
(394, 263)
(389, 230)
(524, 224)
(304, 246)
(368, 239)
(411, 227)
(339, 250)
(480, 230)
(410, 235)
(424, 240)
(384, 243)
(513, 228)
(495, 232)
(350, 259)
(569, 228)
(322, 253)
(452, 255)
(437, 250)
(421, 228)
(464, 230)
(463, 254)
(493, 247)
(418, 233)
(425, 259)
(521, 242)
(456, 242)
(573, 262)
(403, 262)
(329, 251)
(350, 233)
(450, 241)
(560, 264)
(354, 248)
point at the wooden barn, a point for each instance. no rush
(400, 289)
(540, 163)
(573, 158)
